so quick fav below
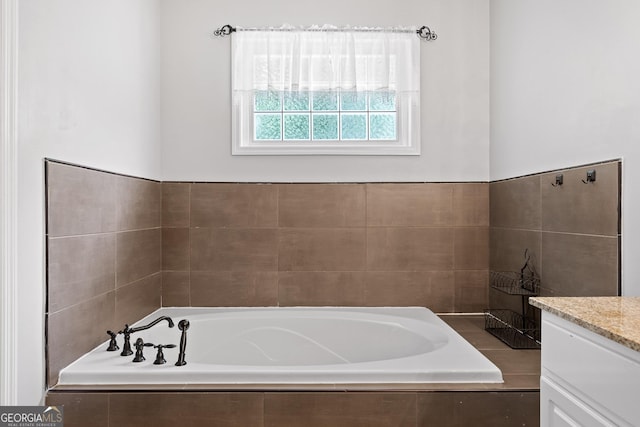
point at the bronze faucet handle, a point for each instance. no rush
(160, 360)
(113, 345)
(140, 345)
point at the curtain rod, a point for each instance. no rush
(423, 32)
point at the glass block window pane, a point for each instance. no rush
(296, 101)
(353, 101)
(382, 101)
(325, 101)
(268, 127)
(354, 126)
(325, 126)
(382, 126)
(296, 126)
(325, 116)
(266, 100)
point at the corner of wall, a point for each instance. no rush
(9, 327)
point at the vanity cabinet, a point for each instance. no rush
(586, 379)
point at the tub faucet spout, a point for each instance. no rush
(155, 322)
(127, 331)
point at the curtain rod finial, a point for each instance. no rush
(425, 33)
(225, 30)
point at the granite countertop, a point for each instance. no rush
(616, 318)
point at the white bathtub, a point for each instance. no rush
(298, 345)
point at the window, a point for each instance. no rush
(325, 92)
(324, 116)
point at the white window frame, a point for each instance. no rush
(407, 140)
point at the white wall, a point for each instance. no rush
(88, 94)
(196, 121)
(565, 90)
(90, 76)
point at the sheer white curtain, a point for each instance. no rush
(321, 59)
(326, 58)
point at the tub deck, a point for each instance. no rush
(520, 368)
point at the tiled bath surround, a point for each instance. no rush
(326, 244)
(572, 231)
(119, 247)
(293, 409)
(103, 256)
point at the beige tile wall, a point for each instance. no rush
(572, 231)
(326, 244)
(103, 256)
(283, 409)
(119, 247)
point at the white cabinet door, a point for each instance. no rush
(598, 371)
(587, 380)
(561, 409)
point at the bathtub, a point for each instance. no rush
(297, 345)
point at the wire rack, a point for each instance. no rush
(514, 283)
(512, 328)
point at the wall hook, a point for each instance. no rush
(591, 176)
(559, 180)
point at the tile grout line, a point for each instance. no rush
(189, 190)
(540, 244)
(277, 247)
(366, 244)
